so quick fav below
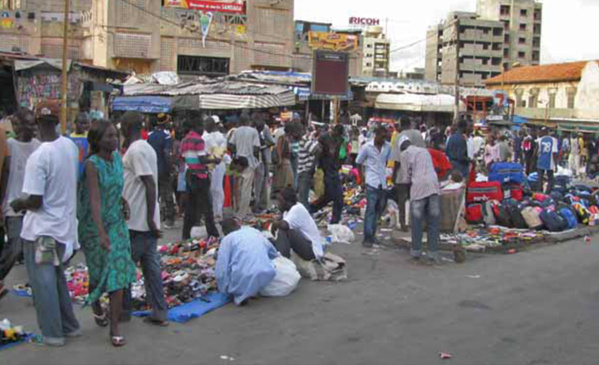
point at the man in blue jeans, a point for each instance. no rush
(49, 230)
(425, 200)
(373, 158)
(140, 167)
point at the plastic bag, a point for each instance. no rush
(285, 281)
(199, 233)
(341, 233)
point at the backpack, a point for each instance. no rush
(569, 216)
(502, 215)
(532, 217)
(553, 221)
(582, 213)
(515, 211)
(475, 213)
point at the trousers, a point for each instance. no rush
(144, 251)
(541, 174)
(55, 316)
(199, 204)
(296, 241)
(217, 190)
(426, 210)
(333, 192)
(303, 188)
(376, 202)
(261, 187)
(13, 248)
(245, 183)
(403, 194)
(165, 190)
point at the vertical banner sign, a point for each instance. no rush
(330, 74)
(205, 22)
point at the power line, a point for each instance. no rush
(407, 46)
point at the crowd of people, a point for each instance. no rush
(110, 186)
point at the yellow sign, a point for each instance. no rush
(332, 41)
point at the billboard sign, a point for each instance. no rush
(332, 41)
(330, 73)
(362, 22)
(223, 6)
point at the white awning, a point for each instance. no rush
(440, 103)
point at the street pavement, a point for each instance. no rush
(533, 308)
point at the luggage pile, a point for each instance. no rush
(507, 200)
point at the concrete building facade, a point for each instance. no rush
(522, 21)
(556, 94)
(501, 34)
(146, 36)
(376, 50)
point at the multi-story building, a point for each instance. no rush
(563, 95)
(522, 28)
(485, 49)
(375, 52)
(158, 35)
(480, 44)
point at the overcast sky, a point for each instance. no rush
(569, 26)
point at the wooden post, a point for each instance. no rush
(63, 95)
(457, 71)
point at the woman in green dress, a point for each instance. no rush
(103, 230)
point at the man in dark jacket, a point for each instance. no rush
(457, 150)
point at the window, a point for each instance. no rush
(552, 99)
(504, 10)
(497, 32)
(571, 97)
(523, 12)
(496, 61)
(522, 40)
(523, 104)
(208, 66)
(532, 101)
(522, 26)
(521, 54)
(486, 46)
(506, 52)
(506, 25)
(368, 64)
(506, 39)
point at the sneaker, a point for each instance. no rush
(170, 225)
(75, 333)
(54, 342)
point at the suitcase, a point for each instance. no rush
(506, 172)
(484, 191)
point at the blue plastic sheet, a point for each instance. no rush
(194, 309)
(22, 341)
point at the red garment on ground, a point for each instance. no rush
(440, 162)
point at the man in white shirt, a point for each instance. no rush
(19, 148)
(297, 230)
(50, 225)
(140, 167)
(245, 142)
(216, 146)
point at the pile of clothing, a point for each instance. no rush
(10, 334)
(483, 239)
(187, 272)
(507, 200)
(77, 282)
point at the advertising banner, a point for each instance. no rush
(332, 42)
(223, 6)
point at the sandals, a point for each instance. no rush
(118, 341)
(156, 322)
(101, 319)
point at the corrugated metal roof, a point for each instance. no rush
(203, 87)
(571, 71)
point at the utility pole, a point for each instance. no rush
(63, 95)
(457, 70)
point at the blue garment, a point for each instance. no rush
(161, 141)
(376, 202)
(375, 163)
(457, 152)
(82, 144)
(547, 147)
(244, 265)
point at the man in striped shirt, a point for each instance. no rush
(193, 151)
(308, 149)
(425, 200)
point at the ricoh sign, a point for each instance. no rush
(364, 21)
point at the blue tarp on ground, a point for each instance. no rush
(143, 104)
(194, 309)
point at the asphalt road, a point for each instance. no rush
(533, 308)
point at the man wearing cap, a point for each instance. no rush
(418, 171)
(547, 152)
(160, 139)
(50, 225)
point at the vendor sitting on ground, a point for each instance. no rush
(244, 265)
(297, 230)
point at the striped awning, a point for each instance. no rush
(229, 102)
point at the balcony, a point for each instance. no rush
(542, 113)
